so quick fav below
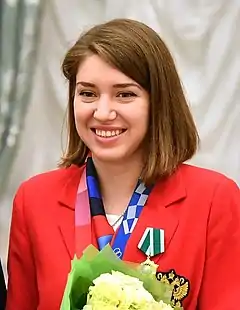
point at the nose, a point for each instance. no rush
(104, 110)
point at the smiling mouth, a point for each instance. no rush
(108, 133)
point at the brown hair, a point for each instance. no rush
(138, 52)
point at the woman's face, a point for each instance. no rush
(111, 111)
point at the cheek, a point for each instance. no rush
(78, 120)
(144, 121)
(82, 114)
(139, 125)
(141, 117)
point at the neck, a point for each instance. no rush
(117, 183)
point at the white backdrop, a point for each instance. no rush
(202, 35)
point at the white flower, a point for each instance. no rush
(122, 292)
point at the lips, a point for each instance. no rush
(108, 133)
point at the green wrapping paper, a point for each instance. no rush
(92, 264)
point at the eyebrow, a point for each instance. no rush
(119, 85)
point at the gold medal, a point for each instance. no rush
(149, 267)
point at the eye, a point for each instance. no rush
(126, 95)
(85, 93)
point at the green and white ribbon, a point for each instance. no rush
(152, 242)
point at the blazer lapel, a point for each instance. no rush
(66, 214)
(161, 212)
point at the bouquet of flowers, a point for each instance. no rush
(99, 280)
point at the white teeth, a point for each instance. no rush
(108, 133)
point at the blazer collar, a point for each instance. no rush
(66, 214)
(171, 189)
(71, 181)
(164, 194)
(168, 190)
(160, 212)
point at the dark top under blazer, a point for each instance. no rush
(2, 289)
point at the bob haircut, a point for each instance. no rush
(137, 51)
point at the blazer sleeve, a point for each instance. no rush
(2, 289)
(22, 287)
(220, 287)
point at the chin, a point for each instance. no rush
(117, 156)
(110, 157)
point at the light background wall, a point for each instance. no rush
(203, 38)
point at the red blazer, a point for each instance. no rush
(198, 209)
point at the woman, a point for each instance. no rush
(127, 109)
(2, 289)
